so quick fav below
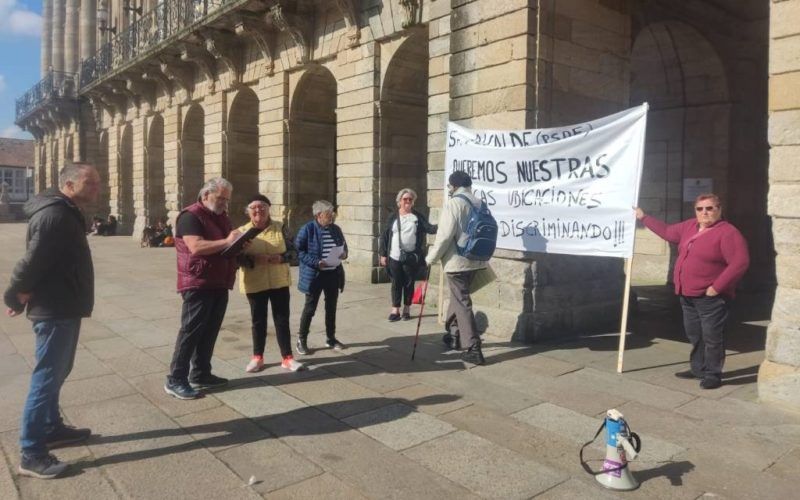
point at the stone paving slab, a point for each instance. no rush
(93, 390)
(399, 426)
(151, 387)
(428, 399)
(480, 466)
(273, 464)
(619, 384)
(359, 460)
(259, 400)
(323, 487)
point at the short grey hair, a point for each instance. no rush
(321, 206)
(405, 191)
(72, 172)
(214, 185)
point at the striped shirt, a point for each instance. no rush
(327, 244)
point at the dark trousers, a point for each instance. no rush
(704, 319)
(280, 318)
(328, 283)
(201, 319)
(460, 317)
(402, 282)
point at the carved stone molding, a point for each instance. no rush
(154, 74)
(350, 13)
(253, 28)
(200, 57)
(225, 47)
(297, 27)
(411, 12)
(120, 88)
(179, 73)
(114, 103)
(138, 86)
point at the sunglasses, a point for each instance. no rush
(706, 209)
(407, 199)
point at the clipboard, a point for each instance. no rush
(238, 244)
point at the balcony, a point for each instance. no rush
(165, 24)
(56, 84)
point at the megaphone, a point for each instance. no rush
(622, 445)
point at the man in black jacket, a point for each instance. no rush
(55, 280)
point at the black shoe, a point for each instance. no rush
(209, 381)
(710, 382)
(335, 345)
(687, 374)
(43, 467)
(473, 355)
(66, 435)
(406, 316)
(181, 390)
(452, 342)
(302, 347)
(394, 317)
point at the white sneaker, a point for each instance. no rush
(255, 365)
(290, 364)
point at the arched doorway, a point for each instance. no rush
(54, 164)
(192, 167)
(242, 148)
(155, 197)
(125, 214)
(41, 184)
(69, 152)
(312, 145)
(404, 125)
(103, 199)
(677, 71)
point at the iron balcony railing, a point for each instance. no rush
(162, 25)
(55, 83)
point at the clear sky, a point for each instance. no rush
(20, 28)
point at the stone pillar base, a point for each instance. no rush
(779, 385)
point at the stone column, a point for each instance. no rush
(71, 36)
(88, 26)
(58, 35)
(779, 375)
(47, 36)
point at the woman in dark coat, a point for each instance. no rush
(402, 250)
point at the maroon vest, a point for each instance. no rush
(207, 272)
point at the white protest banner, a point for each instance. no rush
(566, 190)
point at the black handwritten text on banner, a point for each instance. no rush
(567, 190)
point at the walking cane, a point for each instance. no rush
(421, 309)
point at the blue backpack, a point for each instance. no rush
(481, 233)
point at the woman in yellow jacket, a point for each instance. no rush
(264, 278)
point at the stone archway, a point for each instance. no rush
(242, 148)
(155, 197)
(54, 164)
(103, 198)
(69, 151)
(125, 212)
(42, 177)
(312, 145)
(404, 125)
(677, 71)
(192, 167)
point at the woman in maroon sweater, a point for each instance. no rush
(712, 258)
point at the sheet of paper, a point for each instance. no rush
(334, 258)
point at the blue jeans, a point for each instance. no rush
(56, 342)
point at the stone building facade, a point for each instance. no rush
(349, 100)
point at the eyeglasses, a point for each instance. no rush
(258, 208)
(706, 209)
(407, 198)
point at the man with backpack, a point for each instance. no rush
(465, 241)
